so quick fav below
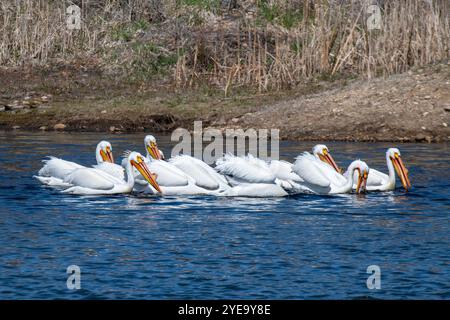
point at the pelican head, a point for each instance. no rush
(321, 152)
(104, 152)
(152, 147)
(393, 154)
(137, 160)
(363, 172)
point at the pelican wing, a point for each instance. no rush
(330, 173)
(168, 174)
(307, 168)
(204, 175)
(212, 173)
(112, 169)
(51, 181)
(376, 178)
(283, 171)
(255, 190)
(249, 169)
(90, 178)
(58, 168)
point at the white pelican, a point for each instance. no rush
(249, 169)
(152, 148)
(212, 182)
(378, 181)
(323, 179)
(172, 179)
(321, 152)
(105, 160)
(204, 176)
(207, 180)
(252, 176)
(55, 169)
(91, 181)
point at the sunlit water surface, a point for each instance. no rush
(299, 247)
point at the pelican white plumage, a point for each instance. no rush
(172, 179)
(379, 181)
(152, 148)
(92, 181)
(255, 177)
(288, 179)
(55, 169)
(321, 152)
(207, 177)
(206, 180)
(105, 160)
(321, 178)
(204, 176)
(249, 169)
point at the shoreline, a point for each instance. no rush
(410, 107)
(405, 140)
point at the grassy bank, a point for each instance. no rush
(155, 65)
(259, 44)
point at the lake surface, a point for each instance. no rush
(299, 247)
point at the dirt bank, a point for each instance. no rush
(414, 106)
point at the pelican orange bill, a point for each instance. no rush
(145, 172)
(154, 151)
(362, 181)
(401, 171)
(107, 156)
(326, 157)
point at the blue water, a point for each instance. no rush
(300, 247)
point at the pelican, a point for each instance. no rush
(105, 160)
(92, 181)
(226, 186)
(249, 169)
(321, 152)
(378, 181)
(286, 177)
(152, 148)
(172, 179)
(207, 179)
(204, 176)
(321, 178)
(202, 173)
(251, 176)
(55, 169)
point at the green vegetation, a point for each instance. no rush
(262, 45)
(150, 60)
(126, 31)
(275, 13)
(208, 5)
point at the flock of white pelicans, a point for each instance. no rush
(245, 176)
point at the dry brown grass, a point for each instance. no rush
(333, 39)
(266, 45)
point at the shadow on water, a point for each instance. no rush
(298, 247)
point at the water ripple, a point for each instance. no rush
(298, 247)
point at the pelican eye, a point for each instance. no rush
(325, 151)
